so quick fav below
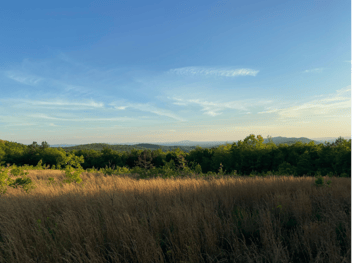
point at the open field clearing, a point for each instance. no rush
(229, 219)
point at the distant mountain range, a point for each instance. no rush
(186, 144)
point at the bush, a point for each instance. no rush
(253, 174)
(286, 169)
(25, 182)
(330, 174)
(320, 181)
(269, 173)
(234, 173)
(73, 175)
(198, 169)
(5, 180)
(39, 165)
(107, 171)
(122, 170)
(344, 175)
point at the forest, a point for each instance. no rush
(248, 157)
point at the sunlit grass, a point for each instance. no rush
(228, 219)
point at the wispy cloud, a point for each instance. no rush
(91, 104)
(23, 78)
(77, 90)
(63, 76)
(317, 70)
(56, 104)
(148, 108)
(121, 107)
(47, 117)
(327, 105)
(219, 72)
(215, 108)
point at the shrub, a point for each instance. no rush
(39, 165)
(221, 172)
(122, 170)
(210, 173)
(320, 181)
(107, 171)
(330, 174)
(344, 175)
(198, 169)
(286, 169)
(73, 175)
(234, 173)
(269, 173)
(25, 182)
(5, 180)
(253, 174)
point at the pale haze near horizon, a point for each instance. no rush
(136, 71)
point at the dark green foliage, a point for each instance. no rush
(145, 160)
(22, 181)
(286, 169)
(248, 157)
(127, 148)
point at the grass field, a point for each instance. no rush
(228, 219)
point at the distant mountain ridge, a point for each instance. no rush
(185, 145)
(63, 145)
(276, 140)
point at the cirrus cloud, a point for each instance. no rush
(218, 72)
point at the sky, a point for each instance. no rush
(74, 72)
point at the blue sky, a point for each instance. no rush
(166, 71)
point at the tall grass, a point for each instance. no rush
(229, 219)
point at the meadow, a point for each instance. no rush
(123, 218)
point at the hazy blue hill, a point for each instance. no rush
(101, 146)
(188, 145)
(284, 140)
(148, 146)
(62, 145)
(185, 145)
(127, 148)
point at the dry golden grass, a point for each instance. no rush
(122, 219)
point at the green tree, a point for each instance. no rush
(158, 157)
(254, 142)
(222, 155)
(286, 169)
(2, 154)
(195, 156)
(44, 145)
(15, 153)
(52, 156)
(270, 143)
(145, 160)
(110, 158)
(178, 156)
(304, 165)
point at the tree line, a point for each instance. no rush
(248, 157)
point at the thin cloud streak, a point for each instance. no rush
(313, 70)
(66, 103)
(214, 108)
(44, 116)
(324, 106)
(218, 72)
(148, 108)
(55, 104)
(22, 78)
